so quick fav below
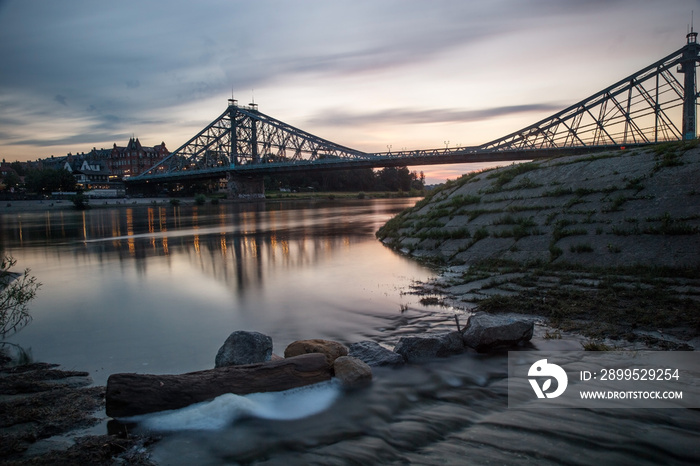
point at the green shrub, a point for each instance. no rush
(503, 176)
(16, 290)
(579, 248)
(479, 234)
(80, 201)
(614, 249)
(592, 345)
(554, 252)
(616, 204)
(558, 192)
(671, 226)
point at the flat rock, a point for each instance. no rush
(416, 349)
(331, 349)
(352, 372)
(484, 332)
(375, 355)
(242, 347)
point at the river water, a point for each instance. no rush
(157, 289)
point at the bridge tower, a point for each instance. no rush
(233, 135)
(691, 53)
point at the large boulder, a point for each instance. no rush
(375, 355)
(352, 372)
(243, 347)
(331, 349)
(485, 332)
(416, 349)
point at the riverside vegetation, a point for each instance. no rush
(607, 244)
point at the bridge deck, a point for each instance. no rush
(378, 160)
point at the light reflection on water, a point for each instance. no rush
(158, 288)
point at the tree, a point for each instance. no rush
(11, 180)
(16, 291)
(358, 179)
(395, 179)
(18, 167)
(80, 201)
(50, 180)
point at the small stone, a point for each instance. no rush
(416, 349)
(374, 355)
(331, 349)
(242, 347)
(352, 372)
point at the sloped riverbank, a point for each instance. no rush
(607, 244)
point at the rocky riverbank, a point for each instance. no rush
(50, 416)
(53, 416)
(605, 244)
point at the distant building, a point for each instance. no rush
(9, 178)
(89, 174)
(135, 159)
(6, 170)
(104, 169)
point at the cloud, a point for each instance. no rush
(119, 66)
(182, 53)
(73, 139)
(413, 116)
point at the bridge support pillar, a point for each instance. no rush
(691, 54)
(245, 187)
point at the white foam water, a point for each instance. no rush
(224, 410)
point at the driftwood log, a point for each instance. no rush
(134, 394)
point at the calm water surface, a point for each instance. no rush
(158, 289)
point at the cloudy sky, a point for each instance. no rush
(78, 74)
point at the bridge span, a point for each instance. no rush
(653, 105)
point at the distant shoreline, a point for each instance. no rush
(9, 207)
(21, 206)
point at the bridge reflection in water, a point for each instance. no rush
(124, 288)
(233, 243)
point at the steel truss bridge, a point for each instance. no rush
(652, 105)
